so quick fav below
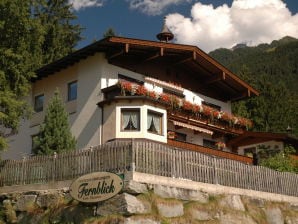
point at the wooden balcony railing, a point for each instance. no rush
(209, 151)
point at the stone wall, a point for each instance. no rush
(149, 203)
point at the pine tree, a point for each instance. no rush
(32, 33)
(109, 33)
(61, 35)
(54, 135)
(19, 46)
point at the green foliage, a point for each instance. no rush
(109, 33)
(55, 135)
(273, 70)
(32, 33)
(279, 160)
(60, 33)
(17, 32)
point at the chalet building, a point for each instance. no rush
(251, 142)
(121, 88)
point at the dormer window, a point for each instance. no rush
(154, 122)
(130, 119)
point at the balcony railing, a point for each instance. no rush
(147, 157)
(209, 151)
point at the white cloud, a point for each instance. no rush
(251, 21)
(153, 7)
(81, 4)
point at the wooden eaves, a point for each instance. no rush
(216, 75)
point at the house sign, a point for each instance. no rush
(95, 187)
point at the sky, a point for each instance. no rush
(208, 24)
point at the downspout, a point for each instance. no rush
(101, 125)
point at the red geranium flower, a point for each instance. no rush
(187, 105)
(141, 90)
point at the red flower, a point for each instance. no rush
(141, 90)
(164, 97)
(152, 94)
(196, 108)
(216, 113)
(126, 86)
(226, 117)
(207, 111)
(187, 105)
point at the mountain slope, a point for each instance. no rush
(273, 70)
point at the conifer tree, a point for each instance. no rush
(60, 33)
(55, 135)
(32, 33)
(109, 33)
(20, 41)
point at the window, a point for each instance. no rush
(209, 143)
(129, 79)
(172, 92)
(130, 119)
(214, 106)
(154, 122)
(38, 103)
(181, 137)
(72, 91)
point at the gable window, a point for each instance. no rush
(72, 91)
(38, 103)
(130, 119)
(154, 122)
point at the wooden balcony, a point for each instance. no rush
(209, 151)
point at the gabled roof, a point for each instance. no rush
(209, 73)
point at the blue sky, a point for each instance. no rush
(209, 24)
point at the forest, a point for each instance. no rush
(273, 70)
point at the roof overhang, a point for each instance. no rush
(209, 73)
(251, 138)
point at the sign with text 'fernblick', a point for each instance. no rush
(95, 187)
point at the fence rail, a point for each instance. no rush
(147, 157)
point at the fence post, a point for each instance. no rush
(215, 170)
(23, 171)
(132, 157)
(54, 166)
(90, 158)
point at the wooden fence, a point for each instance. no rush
(148, 157)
